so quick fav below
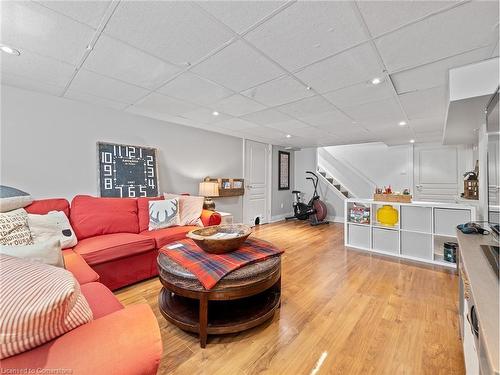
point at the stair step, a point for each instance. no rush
(337, 186)
(322, 173)
(346, 193)
(330, 180)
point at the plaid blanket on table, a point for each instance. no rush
(210, 268)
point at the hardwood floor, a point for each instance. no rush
(343, 312)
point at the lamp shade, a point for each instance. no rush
(209, 189)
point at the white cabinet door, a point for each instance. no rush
(437, 173)
(255, 201)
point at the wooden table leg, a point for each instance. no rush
(203, 319)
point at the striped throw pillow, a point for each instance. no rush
(39, 303)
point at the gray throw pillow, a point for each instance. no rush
(12, 199)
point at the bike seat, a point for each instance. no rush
(296, 192)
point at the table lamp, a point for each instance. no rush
(209, 189)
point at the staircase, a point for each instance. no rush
(341, 190)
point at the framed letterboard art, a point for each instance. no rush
(127, 171)
(283, 170)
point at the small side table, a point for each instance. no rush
(227, 218)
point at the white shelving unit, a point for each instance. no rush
(421, 231)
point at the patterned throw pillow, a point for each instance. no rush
(47, 252)
(30, 316)
(191, 208)
(14, 230)
(163, 214)
(54, 224)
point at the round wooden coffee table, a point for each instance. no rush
(241, 300)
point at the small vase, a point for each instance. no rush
(387, 215)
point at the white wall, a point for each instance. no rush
(306, 160)
(377, 163)
(48, 147)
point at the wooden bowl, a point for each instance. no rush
(219, 239)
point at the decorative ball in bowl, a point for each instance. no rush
(219, 239)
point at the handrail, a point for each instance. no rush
(347, 164)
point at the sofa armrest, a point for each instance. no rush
(209, 218)
(75, 264)
(126, 342)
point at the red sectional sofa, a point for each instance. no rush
(113, 236)
(121, 341)
(115, 249)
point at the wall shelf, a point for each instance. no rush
(421, 231)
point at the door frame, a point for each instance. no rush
(269, 148)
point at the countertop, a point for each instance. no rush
(414, 203)
(484, 286)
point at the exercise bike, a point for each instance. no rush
(315, 210)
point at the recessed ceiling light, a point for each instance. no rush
(288, 147)
(412, 141)
(376, 81)
(308, 88)
(215, 113)
(288, 136)
(9, 50)
(402, 123)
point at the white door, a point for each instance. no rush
(437, 173)
(255, 201)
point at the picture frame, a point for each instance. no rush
(283, 170)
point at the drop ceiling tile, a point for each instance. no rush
(329, 120)
(457, 30)
(288, 126)
(383, 16)
(310, 132)
(160, 104)
(371, 115)
(37, 68)
(359, 64)
(428, 137)
(240, 15)
(238, 105)
(279, 91)
(173, 30)
(308, 31)
(84, 97)
(428, 124)
(306, 107)
(205, 116)
(436, 73)
(88, 12)
(425, 103)
(31, 26)
(236, 124)
(262, 131)
(98, 85)
(267, 117)
(238, 67)
(360, 93)
(194, 89)
(118, 60)
(30, 84)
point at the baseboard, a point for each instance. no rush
(280, 217)
(335, 219)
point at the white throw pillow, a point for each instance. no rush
(164, 214)
(47, 252)
(191, 208)
(54, 224)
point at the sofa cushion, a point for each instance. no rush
(165, 236)
(100, 249)
(44, 206)
(91, 216)
(101, 300)
(143, 211)
(78, 267)
(30, 316)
